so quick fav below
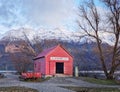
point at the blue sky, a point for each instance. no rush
(38, 14)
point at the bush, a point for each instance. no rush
(2, 75)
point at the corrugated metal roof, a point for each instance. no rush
(45, 52)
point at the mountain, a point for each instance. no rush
(18, 34)
(82, 48)
(58, 34)
(41, 34)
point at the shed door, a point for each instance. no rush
(59, 67)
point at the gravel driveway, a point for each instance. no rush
(52, 85)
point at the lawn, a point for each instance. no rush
(17, 89)
(83, 89)
(99, 81)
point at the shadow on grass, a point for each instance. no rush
(83, 89)
(99, 81)
(36, 80)
(17, 89)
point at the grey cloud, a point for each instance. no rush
(49, 12)
(36, 12)
(11, 13)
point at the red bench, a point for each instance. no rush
(30, 75)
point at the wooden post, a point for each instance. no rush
(76, 71)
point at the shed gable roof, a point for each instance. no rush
(47, 51)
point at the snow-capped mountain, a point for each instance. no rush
(41, 34)
(17, 34)
(58, 33)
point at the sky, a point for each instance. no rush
(37, 14)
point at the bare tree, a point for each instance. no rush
(114, 20)
(92, 28)
(21, 62)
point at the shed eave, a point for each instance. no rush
(39, 58)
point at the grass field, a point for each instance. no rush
(99, 81)
(81, 89)
(17, 89)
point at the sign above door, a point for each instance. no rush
(59, 58)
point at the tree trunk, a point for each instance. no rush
(112, 71)
(101, 56)
(110, 76)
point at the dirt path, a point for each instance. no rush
(13, 80)
(52, 85)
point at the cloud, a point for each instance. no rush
(3, 29)
(10, 13)
(49, 12)
(36, 13)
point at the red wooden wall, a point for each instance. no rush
(48, 67)
(51, 64)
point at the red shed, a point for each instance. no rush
(54, 61)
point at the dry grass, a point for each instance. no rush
(99, 81)
(83, 89)
(17, 89)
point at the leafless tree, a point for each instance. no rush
(22, 60)
(91, 24)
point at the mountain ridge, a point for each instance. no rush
(57, 33)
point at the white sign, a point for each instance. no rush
(59, 58)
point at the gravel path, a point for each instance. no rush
(52, 85)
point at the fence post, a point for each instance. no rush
(76, 71)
